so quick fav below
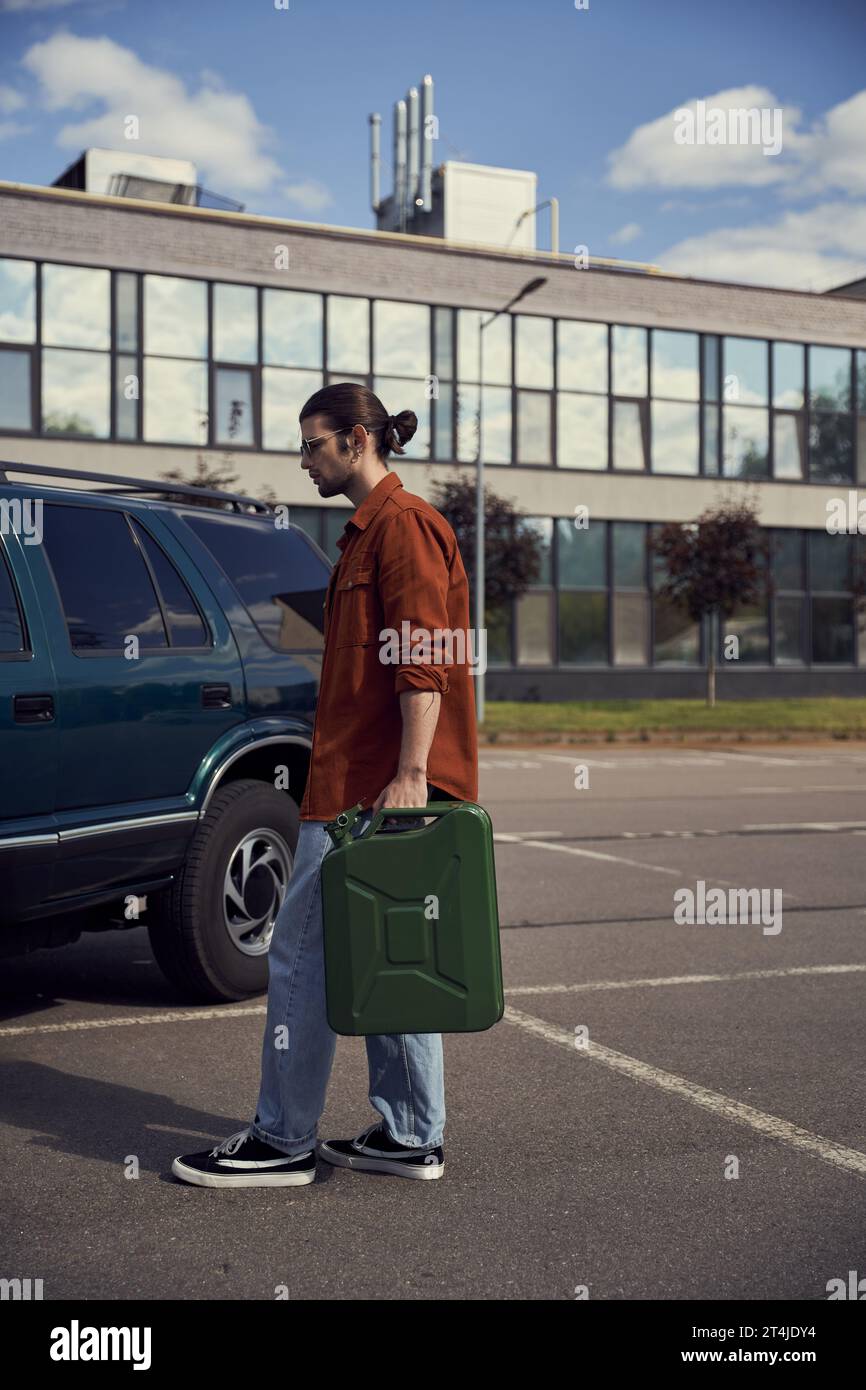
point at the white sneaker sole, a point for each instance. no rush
(363, 1164)
(250, 1179)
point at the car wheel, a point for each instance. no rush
(211, 931)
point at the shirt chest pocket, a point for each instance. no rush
(356, 607)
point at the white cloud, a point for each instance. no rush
(10, 100)
(651, 158)
(21, 5)
(308, 195)
(810, 250)
(9, 130)
(215, 128)
(833, 154)
(828, 156)
(813, 249)
(702, 204)
(628, 233)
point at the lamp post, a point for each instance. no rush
(528, 288)
(553, 204)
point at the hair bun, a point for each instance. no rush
(400, 429)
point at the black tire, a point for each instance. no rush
(189, 934)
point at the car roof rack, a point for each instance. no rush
(121, 484)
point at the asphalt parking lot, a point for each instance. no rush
(706, 1139)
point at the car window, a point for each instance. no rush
(185, 624)
(11, 634)
(104, 586)
(277, 574)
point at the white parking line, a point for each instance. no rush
(587, 854)
(516, 839)
(772, 760)
(635, 760)
(590, 985)
(850, 1160)
(830, 1152)
(770, 791)
(628, 760)
(586, 987)
(129, 1020)
(510, 764)
(532, 834)
(822, 825)
(245, 1011)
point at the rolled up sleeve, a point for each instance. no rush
(414, 576)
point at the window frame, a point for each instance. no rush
(444, 416)
(26, 652)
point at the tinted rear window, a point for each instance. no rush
(11, 636)
(277, 574)
(103, 581)
(185, 623)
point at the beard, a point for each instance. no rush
(330, 487)
(333, 486)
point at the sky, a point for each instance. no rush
(270, 99)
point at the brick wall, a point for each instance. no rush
(123, 234)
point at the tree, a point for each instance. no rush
(59, 422)
(512, 549)
(831, 440)
(207, 474)
(714, 565)
(216, 474)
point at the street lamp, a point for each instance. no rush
(528, 288)
(553, 204)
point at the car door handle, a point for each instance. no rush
(216, 697)
(33, 709)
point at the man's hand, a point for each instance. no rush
(407, 789)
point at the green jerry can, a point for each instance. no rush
(411, 924)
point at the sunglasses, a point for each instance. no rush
(309, 446)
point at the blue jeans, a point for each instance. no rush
(407, 1084)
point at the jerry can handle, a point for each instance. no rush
(341, 827)
(435, 808)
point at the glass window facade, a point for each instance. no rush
(235, 323)
(582, 356)
(291, 328)
(16, 397)
(596, 601)
(76, 307)
(175, 317)
(348, 322)
(175, 401)
(745, 443)
(190, 361)
(75, 393)
(401, 339)
(17, 301)
(675, 370)
(630, 435)
(675, 437)
(629, 361)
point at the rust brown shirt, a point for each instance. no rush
(399, 571)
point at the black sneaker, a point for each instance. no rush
(244, 1161)
(375, 1151)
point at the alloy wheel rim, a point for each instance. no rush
(254, 887)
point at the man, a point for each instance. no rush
(385, 734)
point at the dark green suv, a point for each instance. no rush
(160, 655)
